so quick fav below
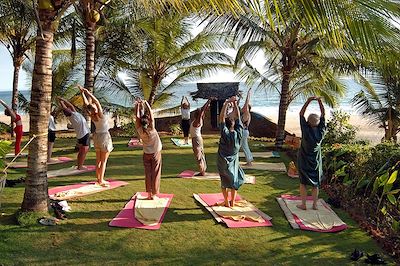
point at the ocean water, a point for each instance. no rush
(263, 102)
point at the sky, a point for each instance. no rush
(7, 71)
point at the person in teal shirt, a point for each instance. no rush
(309, 159)
(230, 172)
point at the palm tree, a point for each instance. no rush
(380, 100)
(296, 49)
(49, 13)
(164, 48)
(17, 34)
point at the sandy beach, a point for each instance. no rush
(366, 131)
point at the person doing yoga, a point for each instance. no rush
(152, 147)
(101, 137)
(15, 118)
(81, 129)
(230, 172)
(197, 139)
(309, 158)
(246, 118)
(185, 123)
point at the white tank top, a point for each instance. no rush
(102, 125)
(195, 131)
(185, 113)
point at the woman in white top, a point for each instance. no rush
(101, 138)
(197, 139)
(51, 137)
(185, 124)
(152, 147)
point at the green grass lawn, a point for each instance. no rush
(188, 234)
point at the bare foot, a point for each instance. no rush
(199, 174)
(233, 203)
(302, 207)
(82, 167)
(249, 164)
(314, 207)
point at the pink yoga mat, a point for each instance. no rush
(135, 143)
(113, 184)
(304, 227)
(25, 164)
(212, 199)
(126, 217)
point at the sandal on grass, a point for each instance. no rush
(374, 259)
(48, 221)
(356, 255)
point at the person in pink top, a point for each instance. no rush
(15, 118)
(152, 147)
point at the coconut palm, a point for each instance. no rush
(165, 48)
(17, 34)
(296, 50)
(380, 100)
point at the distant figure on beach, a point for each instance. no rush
(79, 124)
(51, 136)
(230, 172)
(197, 139)
(15, 118)
(246, 118)
(152, 147)
(101, 137)
(309, 158)
(185, 123)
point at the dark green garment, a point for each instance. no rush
(309, 159)
(230, 172)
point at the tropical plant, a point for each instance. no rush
(380, 101)
(339, 130)
(165, 48)
(303, 57)
(18, 35)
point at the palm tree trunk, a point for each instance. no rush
(90, 53)
(14, 100)
(36, 189)
(283, 106)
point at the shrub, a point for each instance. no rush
(4, 128)
(175, 129)
(129, 129)
(339, 130)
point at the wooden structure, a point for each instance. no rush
(221, 91)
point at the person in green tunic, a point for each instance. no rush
(309, 159)
(230, 172)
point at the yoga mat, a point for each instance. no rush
(82, 189)
(189, 174)
(209, 200)
(181, 142)
(70, 171)
(323, 220)
(275, 167)
(126, 217)
(259, 154)
(134, 143)
(56, 161)
(12, 155)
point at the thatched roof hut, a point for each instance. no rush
(219, 90)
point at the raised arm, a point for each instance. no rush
(10, 110)
(247, 102)
(150, 112)
(236, 111)
(94, 100)
(86, 101)
(66, 104)
(200, 115)
(303, 109)
(222, 115)
(321, 107)
(138, 106)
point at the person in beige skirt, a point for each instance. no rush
(197, 139)
(101, 138)
(152, 147)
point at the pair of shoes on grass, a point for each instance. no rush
(58, 210)
(373, 259)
